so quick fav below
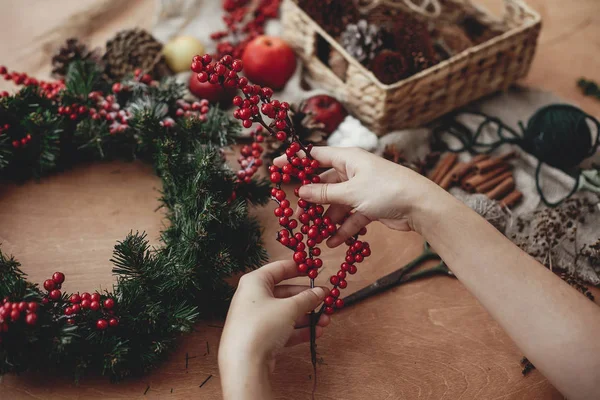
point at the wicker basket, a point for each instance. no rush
(480, 70)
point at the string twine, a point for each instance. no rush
(428, 8)
(557, 135)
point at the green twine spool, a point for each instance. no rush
(558, 135)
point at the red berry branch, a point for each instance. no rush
(245, 20)
(312, 227)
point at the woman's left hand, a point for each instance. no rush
(265, 316)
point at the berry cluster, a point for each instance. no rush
(92, 302)
(243, 25)
(108, 109)
(50, 90)
(13, 312)
(79, 305)
(250, 157)
(74, 111)
(256, 106)
(22, 142)
(197, 109)
(53, 286)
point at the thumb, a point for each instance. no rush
(308, 300)
(326, 193)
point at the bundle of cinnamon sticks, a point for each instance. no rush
(491, 176)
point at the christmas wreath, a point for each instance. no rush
(159, 292)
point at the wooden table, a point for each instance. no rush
(427, 340)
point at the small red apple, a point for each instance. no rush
(269, 61)
(230, 5)
(210, 92)
(326, 110)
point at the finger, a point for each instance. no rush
(330, 176)
(349, 228)
(335, 157)
(276, 272)
(304, 321)
(300, 336)
(327, 193)
(307, 300)
(285, 291)
(337, 212)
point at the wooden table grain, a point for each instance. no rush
(427, 340)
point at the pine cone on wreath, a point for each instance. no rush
(132, 49)
(362, 40)
(72, 50)
(331, 15)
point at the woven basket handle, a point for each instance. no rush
(427, 8)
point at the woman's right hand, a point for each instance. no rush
(377, 189)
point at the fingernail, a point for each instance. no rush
(304, 192)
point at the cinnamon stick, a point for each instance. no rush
(492, 183)
(467, 167)
(470, 184)
(447, 180)
(443, 167)
(487, 165)
(502, 189)
(512, 198)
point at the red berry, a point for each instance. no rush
(276, 177)
(281, 124)
(316, 251)
(58, 277)
(202, 77)
(318, 263)
(76, 308)
(113, 322)
(335, 292)
(95, 297)
(22, 306)
(280, 196)
(49, 284)
(237, 65)
(358, 258)
(302, 268)
(101, 324)
(283, 221)
(299, 257)
(14, 315)
(247, 123)
(75, 298)
(71, 321)
(363, 231)
(85, 304)
(109, 303)
(68, 311)
(237, 101)
(334, 280)
(313, 273)
(278, 212)
(197, 66)
(343, 284)
(366, 252)
(341, 274)
(339, 303)
(329, 300)
(31, 319)
(55, 294)
(352, 270)
(329, 310)
(5, 312)
(206, 59)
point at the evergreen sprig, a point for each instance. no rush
(160, 292)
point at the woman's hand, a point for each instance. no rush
(376, 188)
(263, 318)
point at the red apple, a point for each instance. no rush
(230, 5)
(327, 110)
(210, 92)
(269, 61)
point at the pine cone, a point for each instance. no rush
(362, 40)
(390, 67)
(69, 52)
(411, 38)
(132, 49)
(331, 15)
